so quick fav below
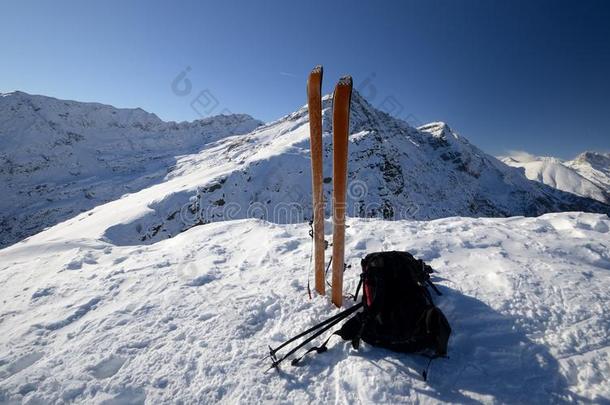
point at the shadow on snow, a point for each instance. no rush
(490, 355)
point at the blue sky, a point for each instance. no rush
(518, 75)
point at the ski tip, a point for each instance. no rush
(317, 70)
(315, 79)
(345, 81)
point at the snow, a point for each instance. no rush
(588, 175)
(61, 158)
(175, 253)
(594, 166)
(188, 319)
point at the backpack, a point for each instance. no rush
(398, 312)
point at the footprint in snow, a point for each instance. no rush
(119, 260)
(597, 226)
(288, 246)
(27, 388)
(77, 262)
(161, 382)
(74, 264)
(160, 265)
(80, 311)
(20, 364)
(72, 391)
(43, 292)
(255, 315)
(196, 274)
(201, 280)
(360, 245)
(107, 368)
(206, 316)
(129, 395)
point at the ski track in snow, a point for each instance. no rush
(188, 319)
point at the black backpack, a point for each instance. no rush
(397, 311)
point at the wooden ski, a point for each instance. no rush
(314, 103)
(341, 108)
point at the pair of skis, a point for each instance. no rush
(341, 109)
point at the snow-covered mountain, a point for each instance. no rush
(395, 171)
(132, 302)
(59, 158)
(588, 175)
(593, 166)
(62, 157)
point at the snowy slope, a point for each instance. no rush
(576, 176)
(593, 166)
(59, 158)
(395, 171)
(188, 319)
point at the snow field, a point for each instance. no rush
(188, 319)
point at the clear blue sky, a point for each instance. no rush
(508, 75)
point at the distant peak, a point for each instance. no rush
(356, 99)
(228, 117)
(131, 113)
(522, 156)
(23, 94)
(590, 156)
(438, 129)
(16, 93)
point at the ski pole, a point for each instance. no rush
(315, 335)
(336, 318)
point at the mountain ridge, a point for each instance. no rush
(587, 175)
(60, 157)
(395, 172)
